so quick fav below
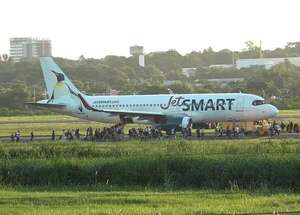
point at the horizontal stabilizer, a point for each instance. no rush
(47, 105)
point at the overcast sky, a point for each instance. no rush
(97, 28)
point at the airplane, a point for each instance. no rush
(166, 111)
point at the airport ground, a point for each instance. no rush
(42, 125)
(154, 177)
(164, 177)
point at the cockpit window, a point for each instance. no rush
(258, 102)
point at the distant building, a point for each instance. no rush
(138, 52)
(26, 47)
(293, 44)
(170, 82)
(225, 80)
(268, 63)
(221, 66)
(142, 60)
(188, 71)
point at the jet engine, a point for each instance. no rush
(186, 122)
(177, 123)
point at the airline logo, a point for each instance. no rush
(199, 105)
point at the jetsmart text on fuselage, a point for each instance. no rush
(199, 105)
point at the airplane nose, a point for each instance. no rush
(273, 111)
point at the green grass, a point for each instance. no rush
(149, 148)
(37, 118)
(133, 177)
(289, 112)
(213, 164)
(149, 201)
(43, 124)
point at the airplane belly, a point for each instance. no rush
(208, 116)
(106, 117)
(99, 117)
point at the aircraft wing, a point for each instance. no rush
(156, 117)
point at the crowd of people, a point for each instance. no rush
(116, 133)
(235, 131)
(290, 127)
(145, 133)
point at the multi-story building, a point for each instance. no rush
(26, 47)
(268, 63)
(138, 52)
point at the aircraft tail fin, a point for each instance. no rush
(53, 76)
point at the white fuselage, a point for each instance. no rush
(219, 107)
(167, 111)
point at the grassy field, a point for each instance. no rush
(214, 164)
(133, 177)
(149, 201)
(43, 125)
(37, 118)
(149, 148)
(167, 177)
(292, 112)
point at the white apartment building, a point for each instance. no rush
(27, 47)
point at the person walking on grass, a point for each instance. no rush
(277, 129)
(18, 136)
(53, 135)
(31, 136)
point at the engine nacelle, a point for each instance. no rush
(186, 122)
(177, 123)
